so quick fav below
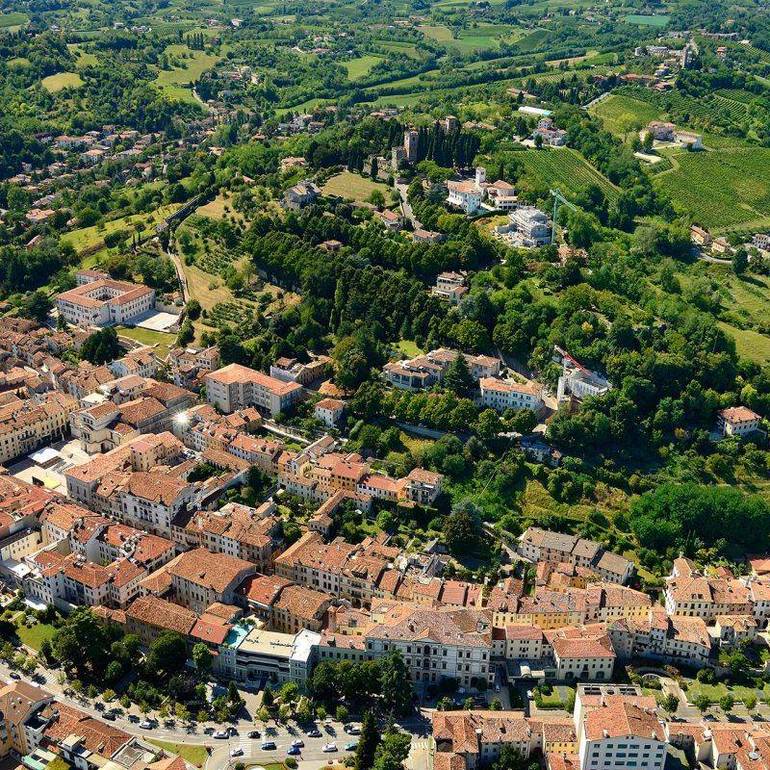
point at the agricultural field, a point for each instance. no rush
(13, 20)
(353, 187)
(400, 47)
(84, 59)
(361, 67)
(623, 114)
(564, 168)
(61, 80)
(482, 37)
(721, 189)
(87, 238)
(175, 82)
(647, 21)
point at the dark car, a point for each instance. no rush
(253, 734)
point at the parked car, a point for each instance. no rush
(109, 716)
(299, 743)
(221, 734)
(329, 748)
(351, 746)
(294, 751)
(253, 734)
(145, 724)
(133, 718)
(208, 730)
(231, 731)
(15, 675)
(268, 746)
(353, 729)
(314, 733)
(236, 751)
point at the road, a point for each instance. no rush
(312, 753)
(405, 207)
(179, 267)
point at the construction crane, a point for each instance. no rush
(558, 200)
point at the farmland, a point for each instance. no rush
(84, 59)
(647, 21)
(60, 81)
(481, 37)
(564, 168)
(360, 67)
(175, 82)
(353, 187)
(622, 114)
(721, 189)
(12, 20)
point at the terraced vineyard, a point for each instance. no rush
(620, 114)
(722, 190)
(705, 111)
(566, 169)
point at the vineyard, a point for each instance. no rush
(722, 190)
(621, 114)
(566, 169)
(682, 108)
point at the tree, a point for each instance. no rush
(377, 199)
(37, 306)
(458, 377)
(341, 714)
(702, 702)
(367, 743)
(740, 261)
(726, 703)
(267, 697)
(167, 655)
(750, 701)
(488, 425)
(392, 751)
(670, 702)
(523, 421)
(101, 347)
(202, 658)
(395, 686)
(82, 644)
(462, 529)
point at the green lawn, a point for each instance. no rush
(84, 59)
(60, 81)
(716, 691)
(35, 636)
(483, 36)
(353, 187)
(13, 19)
(163, 340)
(749, 344)
(195, 755)
(409, 348)
(175, 82)
(360, 67)
(647, 21)
(622, 114)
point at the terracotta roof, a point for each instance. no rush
(215, 571)
(158, 613)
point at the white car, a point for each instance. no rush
(329, 748)
(236, 751)
(146, 725)
(221, 734)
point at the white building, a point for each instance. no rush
(737, 421)
(508, 394)
(236, 387)
(105, 302)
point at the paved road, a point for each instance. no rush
(219, 759)
(405, 207)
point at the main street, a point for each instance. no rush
(246, 750)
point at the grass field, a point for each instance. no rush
(60, 81)
(647, 21)
(481, 37)
(749, 344)
(175, 82)
(360, 67)
(564, 168)
(214, 209)
(195, 755)
(19, 62)
(400, 47)
(88, 237)
(716, 691)
(353, 187)
(35, 636)
(720, 189)
(622, 114)
(84, 59)
(409, 348)
(163, 340)
(13, 19)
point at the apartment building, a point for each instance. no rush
(28, 424)
(149, 616)
(508, 394)
(582, 653)
(141, 362)
(199, 578)
(689, 592)
(151, 500)
(189, 366)
(293, 370)
(235, 387)
(540, 545)
(329, 411)
(450, 286)
(297, 607)
(105, 302)
(426, 370)
(19, 702)
(252, 534)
